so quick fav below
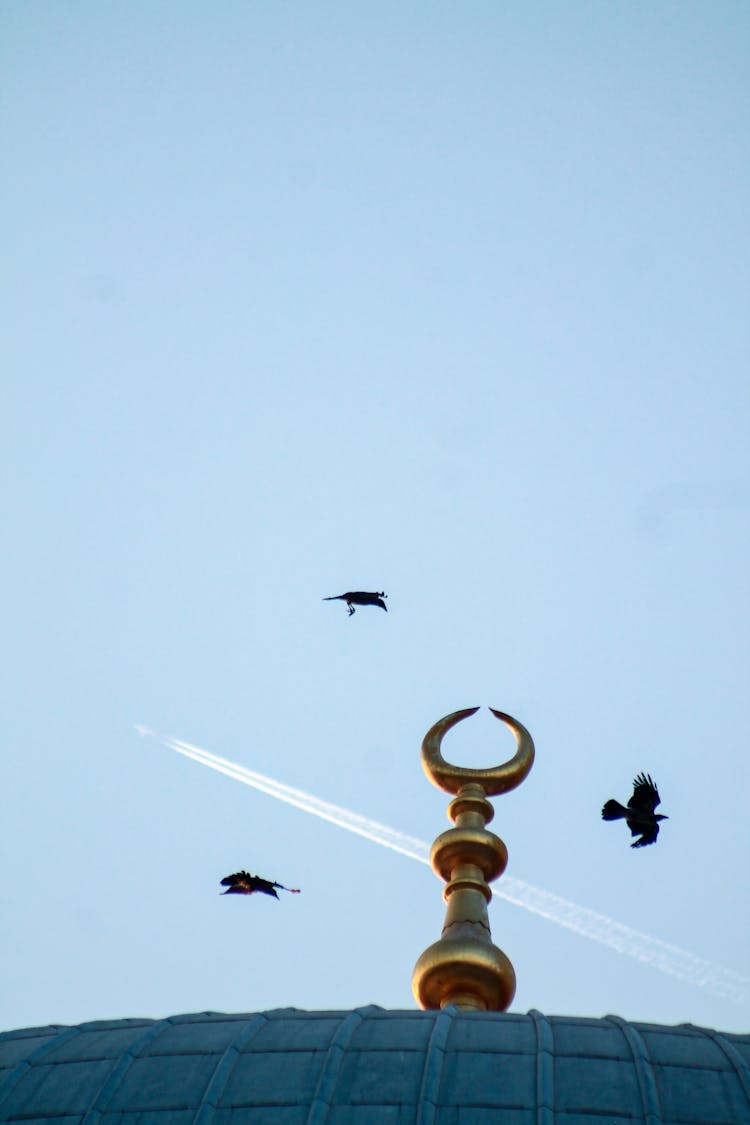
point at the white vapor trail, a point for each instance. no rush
(670, 959)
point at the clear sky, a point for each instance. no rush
(445, 300)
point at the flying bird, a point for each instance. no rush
(639, 815)
(243, 883)
(359, 597)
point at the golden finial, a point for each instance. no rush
(464, 967)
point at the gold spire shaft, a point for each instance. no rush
(464, 967)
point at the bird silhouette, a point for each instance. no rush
(639, 815)
(359, 597)
(243, 883)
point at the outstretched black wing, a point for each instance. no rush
(239, 879)
(647, 835)
(360, 597)
(645, 796)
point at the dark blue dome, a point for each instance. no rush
(374, 1067)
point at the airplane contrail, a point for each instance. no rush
(661, 955)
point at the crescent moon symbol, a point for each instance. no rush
(494, 779)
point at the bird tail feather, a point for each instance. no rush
(613, 810)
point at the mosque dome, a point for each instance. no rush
(370, 1066)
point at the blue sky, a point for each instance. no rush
(440, 300)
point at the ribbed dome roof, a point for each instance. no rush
(374, 1067)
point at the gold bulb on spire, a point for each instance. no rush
(465, 967)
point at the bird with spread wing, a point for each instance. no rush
(359, 597)
(639, 815)
(243, 883)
